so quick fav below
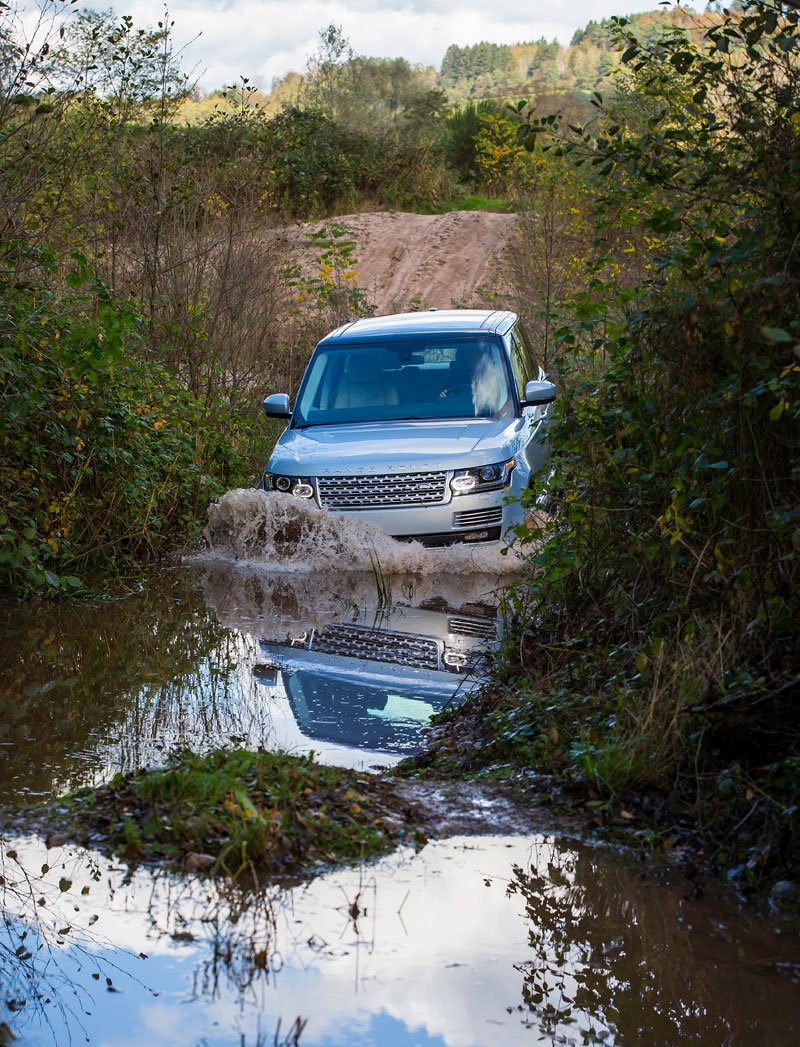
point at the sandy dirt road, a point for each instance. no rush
(419, 261)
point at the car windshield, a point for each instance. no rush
(394, 381)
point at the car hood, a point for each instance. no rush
(395, 447)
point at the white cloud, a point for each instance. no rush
(226, 39)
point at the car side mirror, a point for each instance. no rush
(277, 406)
(539, 393)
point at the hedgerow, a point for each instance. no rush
(104, 459)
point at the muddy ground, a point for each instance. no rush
(414, 260)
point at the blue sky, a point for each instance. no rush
(262, 39)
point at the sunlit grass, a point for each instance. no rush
(476, 203)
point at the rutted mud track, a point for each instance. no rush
(423, 260)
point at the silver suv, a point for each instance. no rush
(427, 425)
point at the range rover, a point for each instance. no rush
(429, 425)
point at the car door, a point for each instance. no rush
(536, 420)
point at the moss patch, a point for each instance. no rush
(239, 812)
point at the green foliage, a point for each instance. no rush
(657, 643)
(256, 812)
(126, 65)
(105, 458)
(499, 157)
(690, 437)
(377, 96)
(478, 63)
(538, 68)
(463, 128)
(314, 162)
(332, 288)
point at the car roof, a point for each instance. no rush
(432, 322)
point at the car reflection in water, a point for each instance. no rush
(374, 682)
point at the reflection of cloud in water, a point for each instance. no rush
(431, 931)
(581, 942)
(287, 534)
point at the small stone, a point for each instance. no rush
(785, 890)
(198, 862)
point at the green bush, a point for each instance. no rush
(657, 642)
(104, 458)
(314, 162)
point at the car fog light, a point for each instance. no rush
(463, 484)
(283, 483)
(303, 490)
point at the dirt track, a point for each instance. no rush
(406, 260)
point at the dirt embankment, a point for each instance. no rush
(413, 260)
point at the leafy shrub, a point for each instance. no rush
(657, 639)
(315, 162)
(105, 459)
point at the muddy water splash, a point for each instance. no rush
(282, 533)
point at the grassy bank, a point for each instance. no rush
(702, 788)
(241, 813)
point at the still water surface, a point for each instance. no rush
(470, 942)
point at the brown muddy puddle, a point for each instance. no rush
(472, 941)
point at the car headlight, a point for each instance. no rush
(482, 478)
(299, 486)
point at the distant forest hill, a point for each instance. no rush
(494, 71)
(562, 77)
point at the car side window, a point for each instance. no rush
(518, 362)
(531, 364)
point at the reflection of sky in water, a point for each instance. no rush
(442, 953)
(438, 956)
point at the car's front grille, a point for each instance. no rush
(478, 517)
(479, 627)
(381, 491)
(376, 645)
